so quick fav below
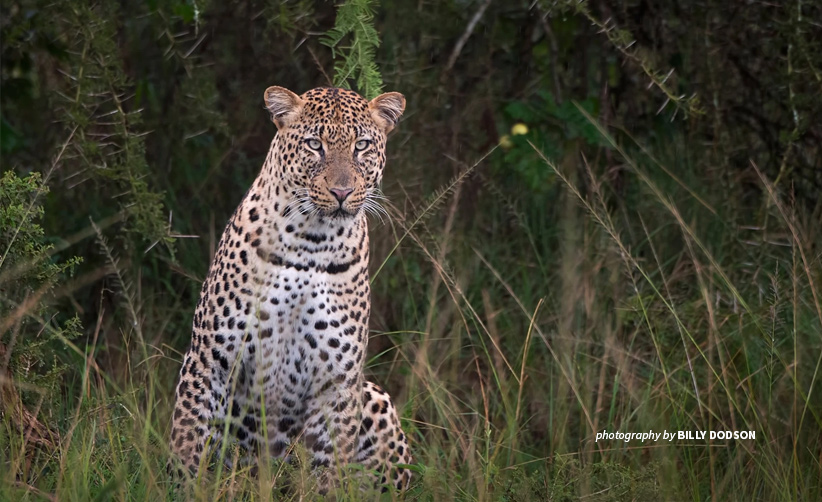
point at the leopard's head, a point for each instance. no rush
(330, 148)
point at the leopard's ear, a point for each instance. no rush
(283, 105)
(386, 110)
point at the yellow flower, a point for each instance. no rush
(505, 142)
(519, 128)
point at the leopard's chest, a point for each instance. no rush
(310, 319)
(286, 306)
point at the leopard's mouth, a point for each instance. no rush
(309, 206)
(340, 213)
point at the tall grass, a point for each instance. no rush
(524, 334)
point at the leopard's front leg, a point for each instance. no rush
(332, 423)
(196, 412)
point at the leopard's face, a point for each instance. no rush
(331, 148)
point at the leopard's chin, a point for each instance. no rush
(339, 213)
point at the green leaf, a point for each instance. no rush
(185, 11)
(355, 20)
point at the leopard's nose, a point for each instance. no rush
(341, 193)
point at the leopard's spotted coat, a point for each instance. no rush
(281, 327)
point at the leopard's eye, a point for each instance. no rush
(314, 144)
(362, 144)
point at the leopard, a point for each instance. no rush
(281, 326)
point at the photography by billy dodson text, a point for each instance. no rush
(653, 437)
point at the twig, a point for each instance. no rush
(34, 199)
(31, 302)
(320, 67)
(36, 491)
(14, 272)
(466, 35)
(552, 41)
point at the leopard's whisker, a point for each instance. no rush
(375, 208)
(375, 193)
